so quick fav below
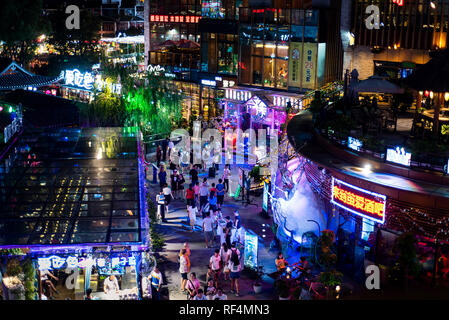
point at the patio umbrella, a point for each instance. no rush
(188, 44)
(378, 84)
(433, 76)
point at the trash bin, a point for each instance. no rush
(211, 172)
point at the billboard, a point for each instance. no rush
(294, 64)
(309, 65)
(399, 156)
(265, 197)
(364, 203)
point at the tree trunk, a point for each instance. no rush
(436, 116)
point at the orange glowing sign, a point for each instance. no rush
(175, 19)
(361, 202)
(399, 2)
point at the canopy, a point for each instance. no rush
(378, 84)
(432, 76)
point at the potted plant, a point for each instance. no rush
(257, 284)
(282, 289)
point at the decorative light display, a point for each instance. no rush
(399, 2)
(256, 104)
(364, 203)
(76, 78)
(354, 144)
(399, 155)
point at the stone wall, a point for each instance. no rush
(362, 59)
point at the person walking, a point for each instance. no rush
(156, 283)
(184, 268)
(225, 253)
(185, 246)
(215, 266)
(196, 189)
(162, 175)
(171, 145)
(158, 155)
(226, 175)
(168, 196)
(212, 201)
(208, 225)
(193, 285)
(181, 182)
(190, 196)
(228, 231)
(220, 193)
(174, 179)
(193, 175)
(161, 204)
(164, 149)
(204, 192)
(234, 267)
(192, 217)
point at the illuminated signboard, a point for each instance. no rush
(399, 2)
(251, 247)
(361, 202)
(259, 107)
(208, 82)
(265, 197)
(354, 144)
(57, 262)
(176, 19)
(78, 79)
(398, 155)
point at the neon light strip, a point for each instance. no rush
(382, 221)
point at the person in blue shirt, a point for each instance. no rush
(213, 201)
(156, 283)
(220, 193)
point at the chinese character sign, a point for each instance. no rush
(309, 65)
(72, 262)
(78, 79)
(361, 202)
(294, 62)
(399, 156)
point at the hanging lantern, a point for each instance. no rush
(426, 93)
(431, 94)
(420, 93)
(446, 96)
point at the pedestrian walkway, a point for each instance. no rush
(175, 233)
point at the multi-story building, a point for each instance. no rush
(278, 48)
(386, 36)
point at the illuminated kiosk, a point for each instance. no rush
(74, 201)
(367, 202)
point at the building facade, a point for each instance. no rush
(393, 37)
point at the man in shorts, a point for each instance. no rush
(208, 228)
(215, 266)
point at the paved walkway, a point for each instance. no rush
(175, 234)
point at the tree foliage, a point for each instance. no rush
(21, 22)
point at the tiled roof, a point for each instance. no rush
(20, 80)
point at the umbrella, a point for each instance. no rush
(378, 84)
(188, 44)
(433, 76)
(168, 43)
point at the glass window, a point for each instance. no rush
(270, 32)
(310, 34)
(270, 49)
(258, 48)
(297, 33)
(268, 72)
(282, 51)
(257, 70)
(282, 73)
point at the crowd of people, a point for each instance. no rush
(204, 199)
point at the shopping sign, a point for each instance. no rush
(361, 202)
(251, 246)
(56, 262)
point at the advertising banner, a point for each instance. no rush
(251, 246)
(309, 65)
(294, 64)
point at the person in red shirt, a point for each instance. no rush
(213, 189)
(190, 196)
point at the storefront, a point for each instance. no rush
(79, 269)
(257, 108)
(80, 86)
